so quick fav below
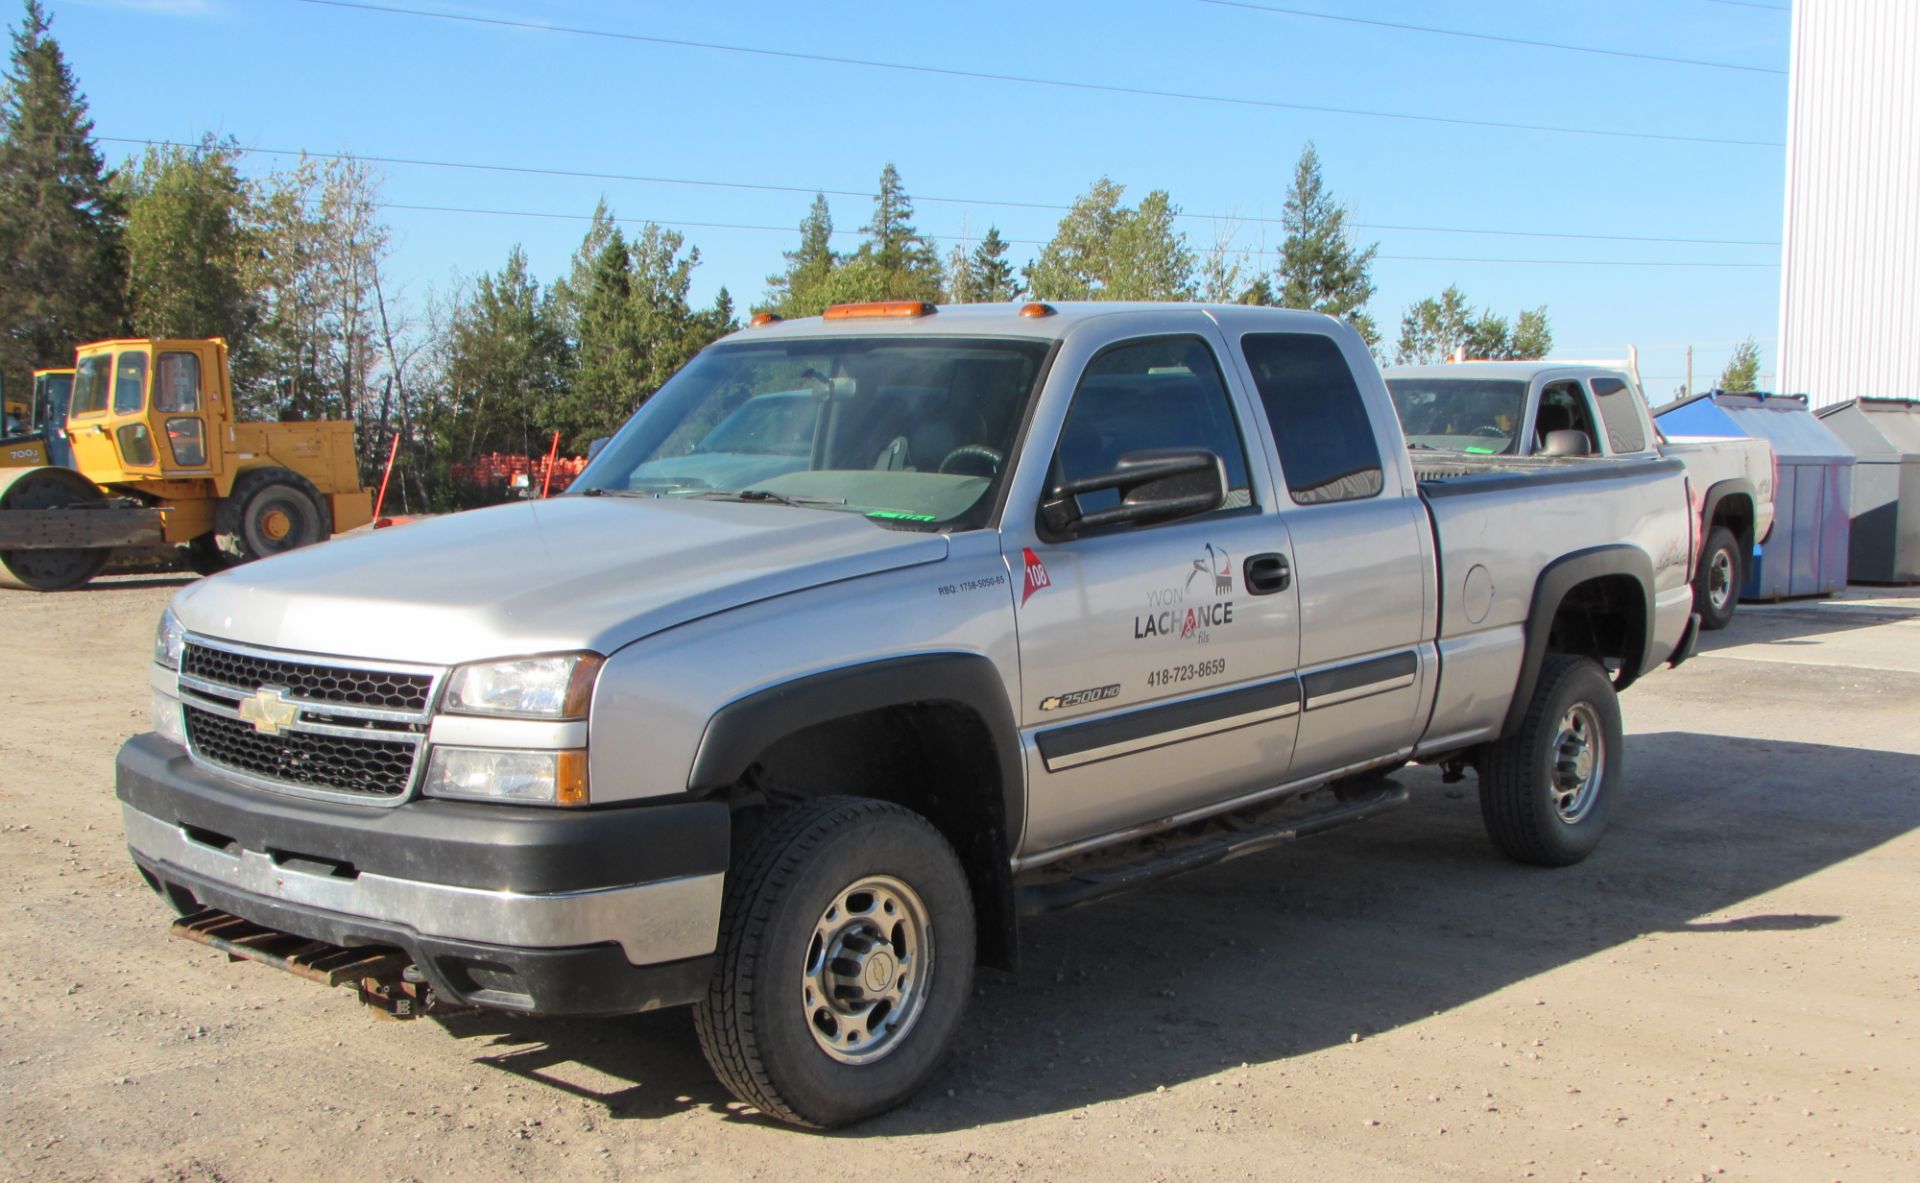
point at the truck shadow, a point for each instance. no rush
(1352, 934)
(1802, 621)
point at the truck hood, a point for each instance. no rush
(539, 577)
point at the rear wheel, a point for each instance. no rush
(270, 511)
(846, 958)
(1545, 790)
(49, 569)
(1716, 587)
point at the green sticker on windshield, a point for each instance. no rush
(1477, 451)
(894, 515)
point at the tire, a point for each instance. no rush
(270, 511)
(1716, 586)
(1541, 803)
(765, 1024)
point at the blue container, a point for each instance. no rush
(1806, 554)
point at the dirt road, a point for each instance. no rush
(1729, 989)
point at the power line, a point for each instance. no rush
(572, 174)
(511, 213)
(981, 75)
(1751, 4)
(1618, 53)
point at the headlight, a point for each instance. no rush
(504, 774)
(527, 688)
(168, 641)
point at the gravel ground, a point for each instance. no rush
(1729, 989)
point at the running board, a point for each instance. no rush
(1102, 881)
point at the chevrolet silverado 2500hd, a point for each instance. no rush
(1523, 408)
(868, 634)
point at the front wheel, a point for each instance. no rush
(270, 511)
(1716, 587)
(1546, 789)
(846, 958)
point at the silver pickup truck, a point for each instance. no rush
(869, 634)
(1531, 408)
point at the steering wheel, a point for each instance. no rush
(975, 452)
(1489, 430)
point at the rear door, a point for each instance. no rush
(1155, 678)
(1362, 551)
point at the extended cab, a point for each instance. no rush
(1533, 408)
(865, 636)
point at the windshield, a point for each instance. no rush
(1477, 415)
(910, 432)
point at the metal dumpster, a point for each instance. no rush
(1806, 555)
(1884, 434)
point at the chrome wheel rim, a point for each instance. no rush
(867, 969)
(1720, 579)
(1579, 763)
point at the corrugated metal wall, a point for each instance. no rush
(1850, 279)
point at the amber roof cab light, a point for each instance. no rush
(1037, 309)
(880, 309)
(765, 318)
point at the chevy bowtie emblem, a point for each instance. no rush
(268, 710)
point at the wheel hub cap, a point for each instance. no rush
(276, 525)
(866, 974)
(1578, 763)
(1720, 579)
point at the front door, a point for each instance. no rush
(108, 426)
(1155, 679)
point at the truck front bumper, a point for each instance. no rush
(543, 910)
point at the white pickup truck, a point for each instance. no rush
(1529, 408)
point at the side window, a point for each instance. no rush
(90, 385)
(130, 383)
(1563, 407)
(1162, 392)
(1618, 412)
(1319, 421)
(176, 383)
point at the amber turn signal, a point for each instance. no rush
(885, 309)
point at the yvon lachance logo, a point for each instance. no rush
(1193, 608)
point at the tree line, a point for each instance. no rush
(292, 268)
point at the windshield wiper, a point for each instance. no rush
(778, 498)
(649, 494)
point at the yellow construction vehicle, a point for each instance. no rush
(36, 431)
(158, 457)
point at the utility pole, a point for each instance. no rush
(1689, 371)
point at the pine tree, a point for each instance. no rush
(795, 291)
(1320, 269)
(992, 274)
(507, 361)
(1743, 368)
(903, 262)
(61, 248)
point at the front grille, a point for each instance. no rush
(312, 681)
(364, 767)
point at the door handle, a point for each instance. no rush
(1267, 574)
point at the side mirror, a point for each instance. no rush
(597, 446)
(1568, 443)
(1154, 486)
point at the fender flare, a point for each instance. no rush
(1558, 578)
(746, 727)
(1718, 492)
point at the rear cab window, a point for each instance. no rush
(1328, 450)
(1620, 411)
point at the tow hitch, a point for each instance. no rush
(382, 976)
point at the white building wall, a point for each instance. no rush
(1850, 275)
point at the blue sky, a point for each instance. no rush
(283, 74)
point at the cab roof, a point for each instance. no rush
(1005, 320)
(1519, 371)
